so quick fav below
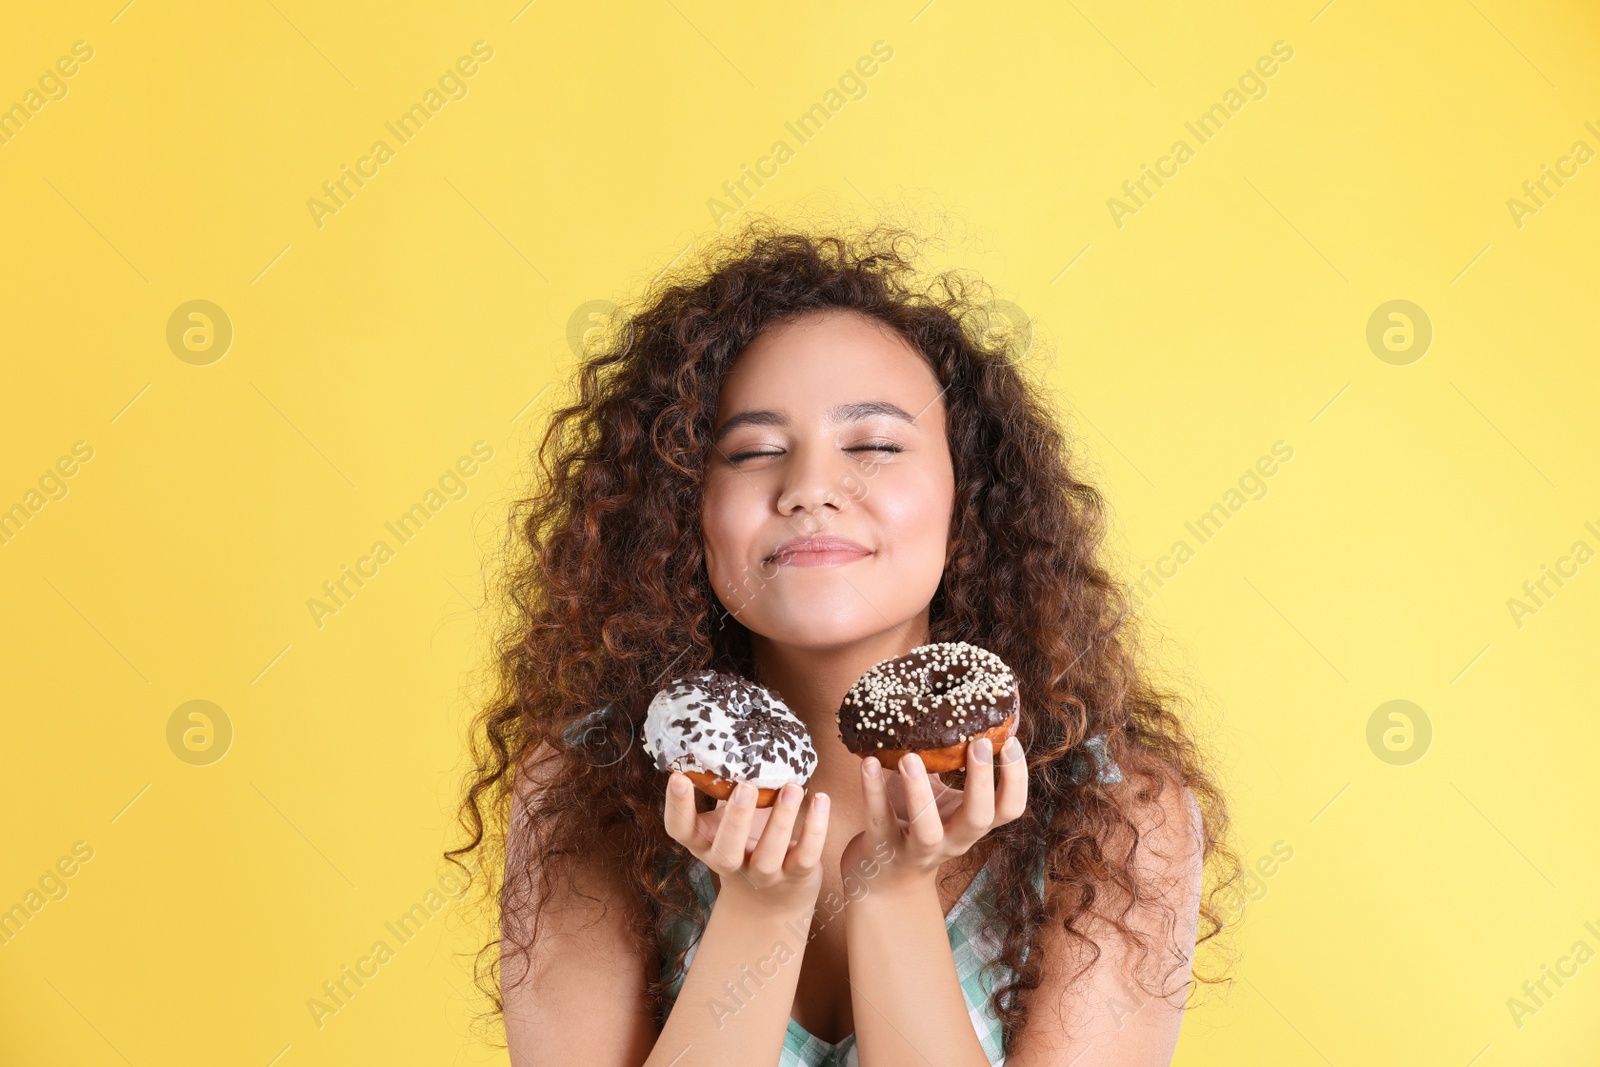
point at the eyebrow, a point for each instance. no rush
(852, 412)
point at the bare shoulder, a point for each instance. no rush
(1171, 831)
(573, 983)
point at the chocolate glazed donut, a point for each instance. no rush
(934, 701)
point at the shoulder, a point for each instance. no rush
(552, 887)
(533, 771)
(1162, 837)
(530, 776)
(1169, 822)
(1158, 807)
(533, 847)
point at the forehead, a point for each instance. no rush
(825, 358)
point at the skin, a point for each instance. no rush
(810, 464)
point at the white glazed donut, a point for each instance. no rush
(720, 729)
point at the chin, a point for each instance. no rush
(819, 639)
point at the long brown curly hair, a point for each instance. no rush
(605, 595)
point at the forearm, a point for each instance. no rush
(733, 1007)
(905, 993)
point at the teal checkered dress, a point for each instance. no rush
(969, 944)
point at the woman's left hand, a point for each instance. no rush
(924, 822)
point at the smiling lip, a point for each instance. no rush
(817, 552)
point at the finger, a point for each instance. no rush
(894, 787)
(728, 847)
(881, 824)
(807, 852)
(1012, 798)
(708, 821)
(758, 822)
(679, 816)
(976, 814)
(927, 828)
(773, 845)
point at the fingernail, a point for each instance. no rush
(872, 766)
(983, 750)
(679, 785)
(744, 794)
(819, 801)
(1012, 752)
(789, 795)
(911, 765)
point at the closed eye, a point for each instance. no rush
(737, 456)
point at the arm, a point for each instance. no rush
(1107, 1019)
(734, 1006)
(587, 1003)
(905, 993)
(578, 996)
(904, 990)
(582, 999)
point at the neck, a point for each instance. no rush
(813, 681)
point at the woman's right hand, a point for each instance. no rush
(766, 865)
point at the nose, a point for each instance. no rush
(811, 493)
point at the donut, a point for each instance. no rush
(934, 700)
(720, 729)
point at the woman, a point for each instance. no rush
(792, 462)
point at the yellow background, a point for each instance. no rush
(431, 311)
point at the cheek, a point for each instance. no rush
(917, 508)
(727, 526)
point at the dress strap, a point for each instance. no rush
(1108, 771)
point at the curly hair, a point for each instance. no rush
(605, 594)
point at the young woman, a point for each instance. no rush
(792, 461)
